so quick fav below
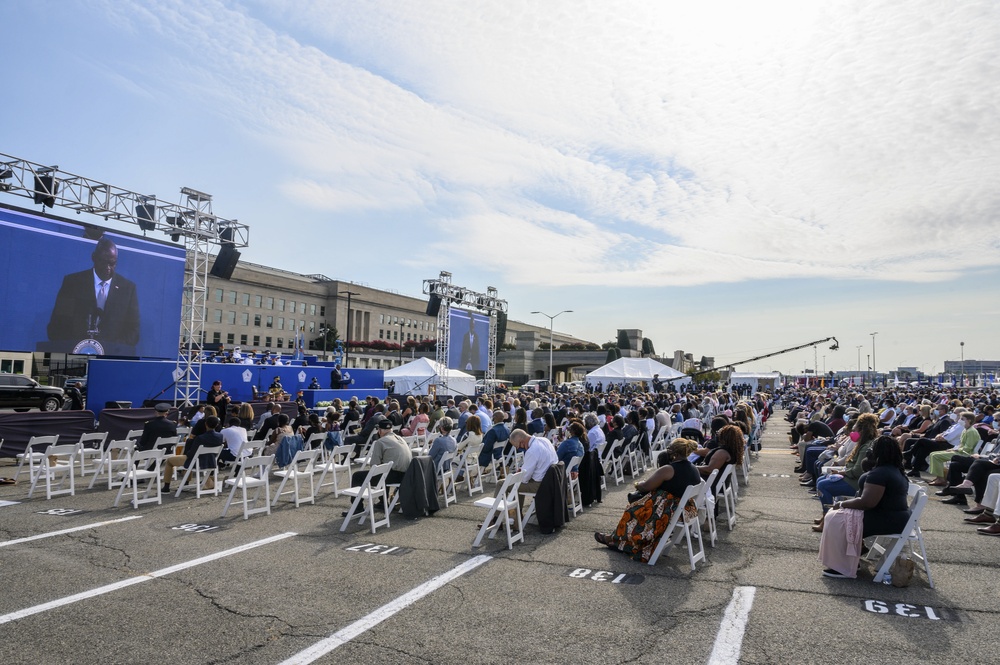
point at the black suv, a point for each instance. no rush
(22, 393)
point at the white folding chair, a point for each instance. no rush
(254, 474)
(684, 526)
(634, 456)
(58, 462)
(369, 494)
(114, 460)
(339, 459)
(613, 464)
(134, 434)
(500, 508)
(573, 494)
(744, 468)
(33, 454)
(143, 465)
(364, 457)
(90, 447)
(726, 490)
(300, 472)
(316, 441)
(706, 506)
(910, 535)
(469, 470)
(446, 478)
(202, 473)
(168, 444)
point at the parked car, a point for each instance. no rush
(536, 385)
(21, 393)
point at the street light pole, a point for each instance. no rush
(551, 345)
(347, 342)
(400, 342)
(962, 344)
(859, 359)
(324, 331)
(874, 371)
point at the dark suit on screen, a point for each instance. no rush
(76, 309)
(471, 351)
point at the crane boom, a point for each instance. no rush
(833, 347)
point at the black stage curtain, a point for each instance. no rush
(16, 429)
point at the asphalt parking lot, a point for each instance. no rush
(175, 583)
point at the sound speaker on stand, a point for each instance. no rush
(225, 262)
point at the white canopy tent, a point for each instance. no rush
(417, 377)
(634, 370)
(766, 381)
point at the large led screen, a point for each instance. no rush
(70, 288)
(467, 340)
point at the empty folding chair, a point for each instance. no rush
(706, 506)
(613, 464)
(468, 468)
(143, 466)
(446, 478)
(90, 447)
(682, 525)
(504, 510)
(202, 473)
(300, 472)
(33, 454)
(726, 490)
(114, 461)
(58, 462)
(574, 496)
(911, 535)
(368, 494)
(338, 460)
(254, 473)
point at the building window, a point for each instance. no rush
(267, 342)
(217, 315)
(245, 319)
(269, 303)
(381, 334)
(381, 319)
(322, 310)
(245, 299)
(312, 326)
(243, 340)
(312, 310)
(216, 338)
(218, 295)
(291, 306)
(281, 342)
(231, 318)
(256, 340)
(256, 320)
(258, 301)
(302, 324)
(281, 304)
(395, 335)
(231, 338)
(270, 322)
(231, 297)
(281, 323)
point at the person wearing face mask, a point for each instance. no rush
(917, 450)
(846, 483)
(941, 423)
(967, 444)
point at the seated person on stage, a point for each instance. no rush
(646, 518)
(208, 439)
(218, 397)
(882, 496)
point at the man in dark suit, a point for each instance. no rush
(97, 304)
(471, 348)
(157, 427)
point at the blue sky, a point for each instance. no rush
(732, 178)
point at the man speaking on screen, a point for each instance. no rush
(97, 310)
(471, 349)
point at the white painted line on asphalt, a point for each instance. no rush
(5, 543)
(729, 640)
(108, 588)
(368, 622)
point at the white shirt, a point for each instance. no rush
(539, 456)
(953, 434)
(595, 436)
(235, 437)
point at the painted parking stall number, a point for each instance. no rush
(61, 512)
(372, 548)
(605, 576)
(195, 528)
(910, 611)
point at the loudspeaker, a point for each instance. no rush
(433, 305)
(146, 212)
(501, 329)
(225, 262)
(45, 190)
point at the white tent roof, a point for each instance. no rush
(633, 369)
(418, 375)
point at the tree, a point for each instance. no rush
(613, 355)
(608, 345)
(647, 347)
(623, 341)
(331, 339)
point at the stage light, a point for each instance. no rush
(178, 223)
(6, 174)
